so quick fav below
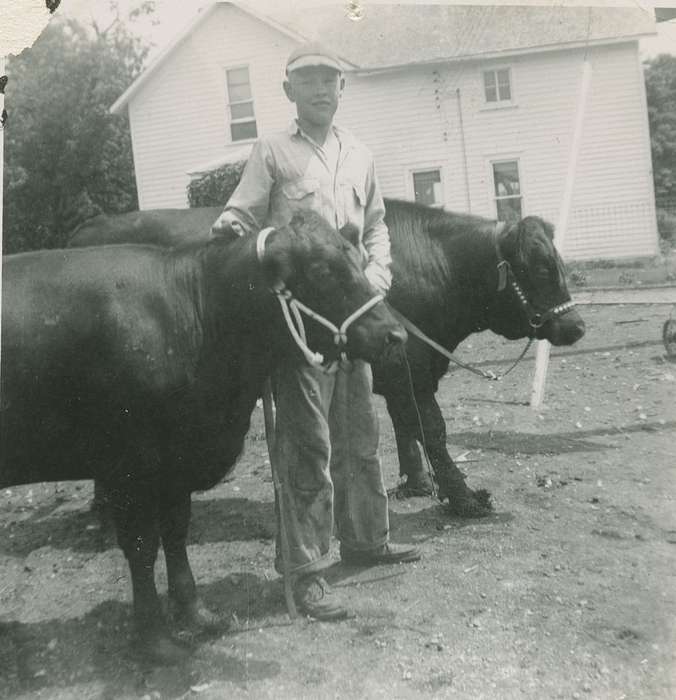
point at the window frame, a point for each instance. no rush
(229, 103)
(505, 158)
(410, 183)
(498, 104)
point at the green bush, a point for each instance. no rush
(666, 225)
(576, 277)
(215, 188)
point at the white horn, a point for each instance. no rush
(260, 242)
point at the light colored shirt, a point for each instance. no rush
(288, 172)
(331, 151)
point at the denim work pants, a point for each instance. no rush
(326, 448)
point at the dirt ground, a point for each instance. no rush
(567, 591)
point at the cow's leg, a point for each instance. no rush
(186, 607)
(100, 500)
(451, 481)
(418, 481)
(101, 508)
(135, 516)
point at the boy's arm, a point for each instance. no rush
(247, 209)
(376, 238)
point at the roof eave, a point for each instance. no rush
(283, 28)
(122, 101)
(140, 81)
(497, 55)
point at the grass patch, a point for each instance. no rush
(659, 269)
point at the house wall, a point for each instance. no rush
(410, 120)
(179, 118)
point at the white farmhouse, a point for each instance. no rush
(469, 107)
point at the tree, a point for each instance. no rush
(66, 157)
(660, 79)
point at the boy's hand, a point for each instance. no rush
(225, 226)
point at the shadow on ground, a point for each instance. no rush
(33, 654)
(213, 520)
(513, 443)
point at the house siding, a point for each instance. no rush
(180, 117)
(410, 120)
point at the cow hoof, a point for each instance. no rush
(415, 485)
(196, 618)
(161, 651)
(472, 504)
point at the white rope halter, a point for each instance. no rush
(292, 310)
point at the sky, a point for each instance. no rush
(664, 42)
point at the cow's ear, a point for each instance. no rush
(509, 240)
(532, 226)
(548, 229)
(351, 234)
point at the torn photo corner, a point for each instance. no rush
(21, 22)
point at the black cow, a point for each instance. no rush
(165, 227)
(445, 280)
(448, 279)
(140, 366)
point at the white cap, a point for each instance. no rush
(312, 54)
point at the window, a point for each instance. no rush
(507, 189)
(427, 187)
(240, 103)
(497, 86)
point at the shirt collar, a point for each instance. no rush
(343, 135)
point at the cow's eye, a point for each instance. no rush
(319, 274)
(521, 271)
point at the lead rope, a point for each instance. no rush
(423, 441)
(485, 374)
(488, 375)
(505, 274)
(502, 281)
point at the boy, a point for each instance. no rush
(327, 428)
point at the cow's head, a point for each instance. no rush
(533, 296)
(322, 269)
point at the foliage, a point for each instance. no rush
(576, 278)
(666, 225)
(67, 158)
(660, 79)
(216, 187)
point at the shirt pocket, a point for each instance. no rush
(358, 193)
(352, 201)
(302, 193)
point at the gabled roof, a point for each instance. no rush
(399, 35)
(391, 36)
(202, 15)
